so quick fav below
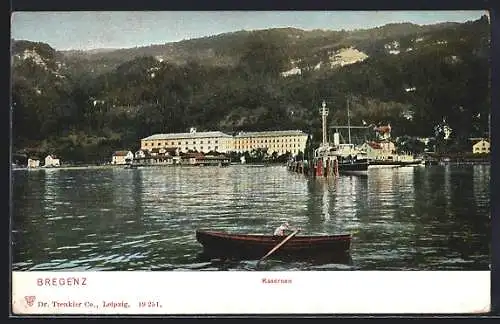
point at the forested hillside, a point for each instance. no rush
(84, 105)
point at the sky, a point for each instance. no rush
(120, 29)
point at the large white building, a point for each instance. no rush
(194, 141)
(281, 142)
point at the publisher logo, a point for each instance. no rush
(30, 300)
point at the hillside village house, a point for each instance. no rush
(481, 147)
(122, 157)
(193, 141)
(33, 162)
(280, 142)
(52, 161)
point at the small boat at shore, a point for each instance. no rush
(254, 246)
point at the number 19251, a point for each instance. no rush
(149, 304)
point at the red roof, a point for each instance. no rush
(375, 145)
(383, 129)
(120, 153)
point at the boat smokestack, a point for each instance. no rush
(336, 139)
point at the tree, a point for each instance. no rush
(264, 55)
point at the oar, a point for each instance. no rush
(277, 247)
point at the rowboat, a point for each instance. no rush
(254, 246)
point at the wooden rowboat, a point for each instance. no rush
(254, 246)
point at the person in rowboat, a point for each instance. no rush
(280, 230)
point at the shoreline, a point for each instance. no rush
(123, 166)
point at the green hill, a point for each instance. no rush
(83, 105)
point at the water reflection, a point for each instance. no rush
(145, 219)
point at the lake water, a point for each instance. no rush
(410, 218)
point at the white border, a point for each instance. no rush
(234, 292)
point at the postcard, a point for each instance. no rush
(250, 162)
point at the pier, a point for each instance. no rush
(318, 169)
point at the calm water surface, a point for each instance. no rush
(411, 218)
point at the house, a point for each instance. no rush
(33, 163)
(384, 132)
(141, 154)
(142, 157)
(122, 157)
(481, 147)
(51, 161)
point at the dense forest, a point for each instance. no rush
(83, 106)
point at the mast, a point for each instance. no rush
(348, 121)
(324, 112)
(489, 128)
